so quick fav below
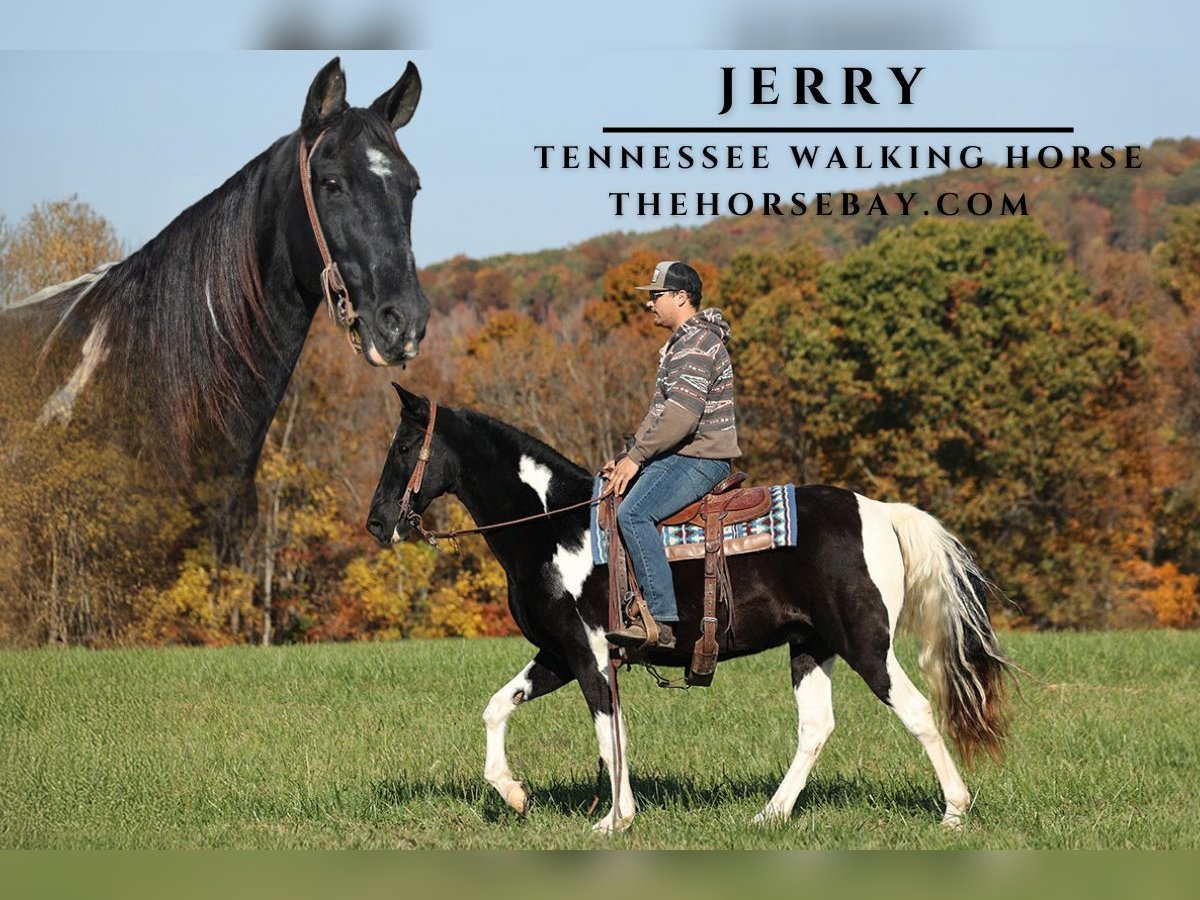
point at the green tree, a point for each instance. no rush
(964, 368)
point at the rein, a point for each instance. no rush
(332, 284)
(432, 537)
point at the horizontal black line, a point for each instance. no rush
(846, 129)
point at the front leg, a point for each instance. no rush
(543, 675)
(593, 673)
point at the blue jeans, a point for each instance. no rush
(664, 486)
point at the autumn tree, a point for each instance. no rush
(767, 299)
(88, 529)
(964, 368)
(55, 242)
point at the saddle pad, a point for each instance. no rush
(775, 529)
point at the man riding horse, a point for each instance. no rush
(684, 444)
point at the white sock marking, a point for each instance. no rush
(814, 704)
(914, 711)
(495, 720)
(885, 564)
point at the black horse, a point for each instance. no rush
(839, 593)
(183, 350)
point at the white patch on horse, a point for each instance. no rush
(599, 647)
(886, 564)
(881, 550)
(574, 566)
(814, 704)
(537, 476)
(58, 407)
(913, 709)
(495, 720)
(620, 817)
(378, 162)
(614, 753)
(91, 279)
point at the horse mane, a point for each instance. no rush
(180, 314)
(525, 444)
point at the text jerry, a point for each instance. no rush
(808, 82)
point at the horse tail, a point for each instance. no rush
(946, 598)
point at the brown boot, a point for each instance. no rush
(634, 637)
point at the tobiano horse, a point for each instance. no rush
(184, 349)
(840, 592)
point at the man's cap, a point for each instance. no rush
(673, 275)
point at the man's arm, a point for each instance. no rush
(689, 376)
(664, 432)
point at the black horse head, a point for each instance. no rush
(385, 520)
(362, 189)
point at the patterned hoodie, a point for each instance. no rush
(692, 412)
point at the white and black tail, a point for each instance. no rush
(945, 596)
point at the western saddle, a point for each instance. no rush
(727, 504)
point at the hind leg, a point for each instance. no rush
(812, 663)
(872, 654)
(914, 711)
(541, 676)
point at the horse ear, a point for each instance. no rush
(326, 96)
(414, 404)
(398, 104)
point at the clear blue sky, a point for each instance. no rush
(142, 133)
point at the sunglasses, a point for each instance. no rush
(654, 295)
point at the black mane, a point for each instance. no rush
(182, 313)
(575, 478)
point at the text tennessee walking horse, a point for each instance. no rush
(840, 592)
(185, 348)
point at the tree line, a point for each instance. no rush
(1032, 383)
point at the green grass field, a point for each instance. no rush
(382, 746)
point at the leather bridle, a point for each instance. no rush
(333, 285)
(417, 476)
(414, 487)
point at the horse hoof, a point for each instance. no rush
(608, 825)
(518, 798)
(769, 816)
(953, 822)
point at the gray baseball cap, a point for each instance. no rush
(673, 275)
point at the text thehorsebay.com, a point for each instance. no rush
(804, 89)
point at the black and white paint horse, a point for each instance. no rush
(185, 348)
(840, 593)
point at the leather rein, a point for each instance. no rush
(418, 476)
(341, 309)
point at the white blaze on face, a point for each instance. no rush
(58, 407)
(378, 162)
(535, 475)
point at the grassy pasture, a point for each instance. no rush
(381, 745)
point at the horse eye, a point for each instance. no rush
(331, 185)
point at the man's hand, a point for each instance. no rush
(621, 473)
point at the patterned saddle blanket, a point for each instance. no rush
(775, 528)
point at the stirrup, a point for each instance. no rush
(637, 608)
